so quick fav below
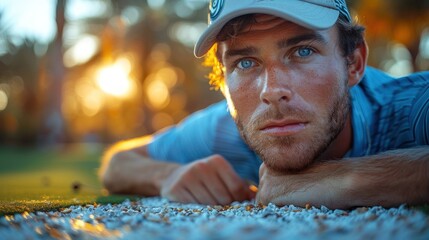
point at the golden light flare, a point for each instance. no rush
(158, 94)
(84, 88)
(115, 79)
(97, 229)
(168, 76)
(3, 100)
(92, 104)
(85, 48)
(158, 87)
(84, 97)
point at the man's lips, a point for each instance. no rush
(284, 127)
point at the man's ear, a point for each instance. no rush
(356, 64)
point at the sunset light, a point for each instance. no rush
(115, 79)
(3, 100)
(82, 51)
(158, 94)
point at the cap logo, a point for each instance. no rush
(342, 8)
(215, 8)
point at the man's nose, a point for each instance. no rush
(275, 87)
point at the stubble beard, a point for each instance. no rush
(289, 153)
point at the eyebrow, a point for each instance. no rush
(302, 38)
(240, 52)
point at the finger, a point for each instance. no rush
(233, 183)
(181, 185)
(195, 187)
(217, 188)
(182, 195)
(188, 197)
(201, 194)
(211, 182)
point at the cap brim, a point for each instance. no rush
(302, 13)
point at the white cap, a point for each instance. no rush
(312, 14)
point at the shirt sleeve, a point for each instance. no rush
(191, 139)
(420, 115)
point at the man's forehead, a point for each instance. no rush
(261, 22)
(288, 35)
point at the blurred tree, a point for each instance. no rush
(393, 21)
(18, 72)
(52, 129)
(152, 47)
(19, 67)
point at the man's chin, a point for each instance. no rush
(287, 155)
(286, 165)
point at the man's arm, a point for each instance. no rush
(127, 168)
(389, 179)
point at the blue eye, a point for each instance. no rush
(245, 64)
(304, 52)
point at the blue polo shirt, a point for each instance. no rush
(387, 113)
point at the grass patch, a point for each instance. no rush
(41, 180)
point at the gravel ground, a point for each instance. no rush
(156, 218)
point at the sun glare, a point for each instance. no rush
(82, 51)
(115, 80)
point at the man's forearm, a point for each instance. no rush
(388, 179)
(128, 170)
(391, 178)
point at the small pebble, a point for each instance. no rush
(76, 186)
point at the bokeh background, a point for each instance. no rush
(100, 71)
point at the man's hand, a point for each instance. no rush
(207, 181)
(320, 184)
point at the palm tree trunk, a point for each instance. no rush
(53, 125)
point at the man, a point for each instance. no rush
(329, 130)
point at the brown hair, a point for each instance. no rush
(351, 35)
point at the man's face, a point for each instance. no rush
(287, 90)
